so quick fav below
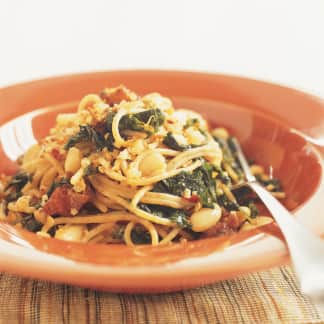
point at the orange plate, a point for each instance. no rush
(258, 113)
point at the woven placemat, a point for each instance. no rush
(265, 297)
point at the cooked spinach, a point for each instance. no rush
(200, 181)
(170, 141)
(225, 202)
(14, 187)
(140, 235)
(177, 216)
(18, 181)
(31, 224)
(147, 121)
(87, 133)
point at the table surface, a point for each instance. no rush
(265, 297)
(279, 41)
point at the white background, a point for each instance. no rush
(276, 40)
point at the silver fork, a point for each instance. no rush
(306, 249)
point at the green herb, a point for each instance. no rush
(147, 121)
(31, 224)
(57, 184)
(177, 216)
(16, 184)
(170, 141)
(87, 133)
(200, 180)
(18, 181)
(225, 202)
(140, 235)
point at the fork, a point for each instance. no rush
(306, 249)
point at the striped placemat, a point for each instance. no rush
(265, 297)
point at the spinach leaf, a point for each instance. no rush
(16, 184)
(18, 181)
(147, 121)
(200, 181)
(31, 224)
(227, 203)
(140, 235)
(87, 133)
(170, 141)
(177, 216)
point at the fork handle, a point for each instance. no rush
(306, 249)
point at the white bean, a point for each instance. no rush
(152, 164)
(205, 218)
(73, 160)
(70, 233)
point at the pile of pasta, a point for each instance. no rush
(130, 169)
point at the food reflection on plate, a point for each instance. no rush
(132, 170)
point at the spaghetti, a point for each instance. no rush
(130, 169)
